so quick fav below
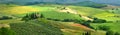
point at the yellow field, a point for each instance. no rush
(19, 10)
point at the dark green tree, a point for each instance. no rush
(109, 32)
(41, 16)
(87, 33)
(95, 18)
(34, 16)
(87, 23)
(26, 18)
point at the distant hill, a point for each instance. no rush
(111, 2)
(90, 4)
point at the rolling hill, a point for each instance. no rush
(54, 21)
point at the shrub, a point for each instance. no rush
(56, 19)
(68, 20)
(109, 32)
(89, 16)
(96, 20)
(79, 21)
(5, 17)
(109, 21)
(117, 33)
(53, 19)
(105, 28)
(89, 21)
(112, 33)
(6, 31)
(86, 24)
(42, 16)
(49, 18)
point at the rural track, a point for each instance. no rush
(74, 12)
(76, 24)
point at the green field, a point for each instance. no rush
(113, 26)
(61, 16)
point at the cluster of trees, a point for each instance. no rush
(5, 17)
(68, 20)
(6, 31)
(87, 23)
(115, 10)
(32, 16)
(53, 19)
(95, 20)
(87, 33)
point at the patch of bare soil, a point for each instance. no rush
(4, 25)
